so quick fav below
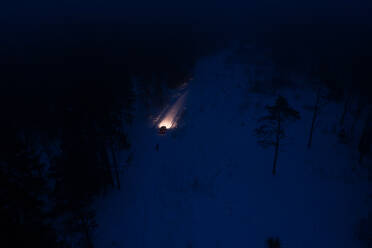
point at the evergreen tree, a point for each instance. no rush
(271, 131)
(23, 209)
(81, 223)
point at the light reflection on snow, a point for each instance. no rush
(170, 118)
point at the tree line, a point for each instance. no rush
(336, 60)
(64, 103)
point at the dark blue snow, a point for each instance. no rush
(210, 183)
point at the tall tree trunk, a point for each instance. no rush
(315, 115)
(106, 164)
(88, 239)
(275, 157)
(365, 142)
(277, 140)
(87, 235)
(356, 118)
(114, 160)
(313, 121)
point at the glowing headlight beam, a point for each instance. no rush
(170, 118)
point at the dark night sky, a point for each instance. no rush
(20, 11)
(217, 16)
(342, 22)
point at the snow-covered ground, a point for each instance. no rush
(210, 183)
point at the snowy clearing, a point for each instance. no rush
(210, 183)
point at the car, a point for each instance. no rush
(162, 129)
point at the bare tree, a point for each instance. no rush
(271, 130)
(365, 142)
(116, 166)
(319, 103)
(361, 106)
(347, 103)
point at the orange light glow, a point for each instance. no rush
(170, 118)
(165, 123)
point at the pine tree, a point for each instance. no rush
(23, 209)
(82, 223)
(271, 130)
